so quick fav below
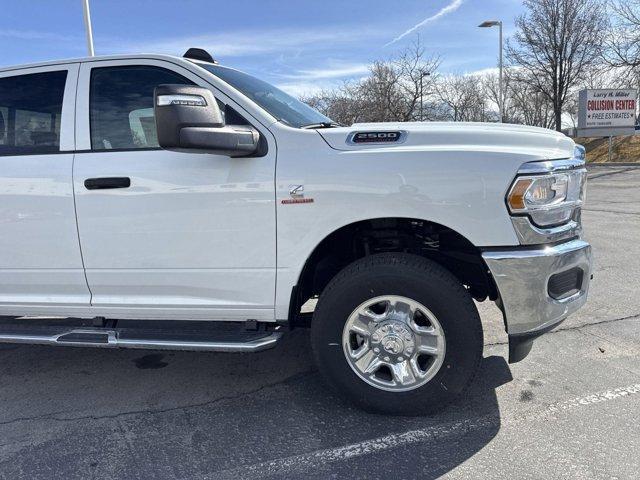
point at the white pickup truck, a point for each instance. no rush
(162, 202)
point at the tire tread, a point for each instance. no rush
(418, 265)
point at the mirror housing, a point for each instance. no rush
(188, 118)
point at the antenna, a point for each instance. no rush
(87, 25)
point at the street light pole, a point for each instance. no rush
(87, 26)
(498, 23)
(422, 75)
(421, 98)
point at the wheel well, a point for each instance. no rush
(368, 237)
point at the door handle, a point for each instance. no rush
(107, 182)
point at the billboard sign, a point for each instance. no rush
(607, 112)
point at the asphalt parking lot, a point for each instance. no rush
(570, 410)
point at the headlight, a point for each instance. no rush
(551, 193)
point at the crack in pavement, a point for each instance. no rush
(609, 211)
(633, 349)
(618, 343)
(576, 327)
(55, 416)
(606, 174)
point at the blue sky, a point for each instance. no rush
(299, 45)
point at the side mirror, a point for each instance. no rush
(188, 118)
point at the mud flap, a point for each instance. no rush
(519, 347)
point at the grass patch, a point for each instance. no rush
(624, 149)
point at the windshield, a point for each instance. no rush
(282, 106)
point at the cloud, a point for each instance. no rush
(35, 35)
(452, 7)
(251, 42)
(306, 82)
(304, 89)
(483, 71)
(329, 72)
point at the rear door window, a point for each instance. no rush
(30, 113)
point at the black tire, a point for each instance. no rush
(423, 281)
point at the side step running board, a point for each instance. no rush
(155, 339)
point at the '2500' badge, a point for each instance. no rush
(376, 137)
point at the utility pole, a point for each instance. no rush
(498, 23)
(87, 26)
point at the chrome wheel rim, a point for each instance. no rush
(394, 343)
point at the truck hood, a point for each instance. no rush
(450, 136)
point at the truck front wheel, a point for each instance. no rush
(397, 333)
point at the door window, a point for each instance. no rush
(121, 105)
(30, 113)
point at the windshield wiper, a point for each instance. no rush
(321, 125)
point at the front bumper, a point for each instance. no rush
(539, 288)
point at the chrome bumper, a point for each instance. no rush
(522, 276)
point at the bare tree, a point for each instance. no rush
(491, 88)
(463, 98)
(394, 90)
(339, 104)
(622, 45)
(528, 106)
(418, 74)
(522, 103)
(382, 94)
(557, 41)
(623, 39)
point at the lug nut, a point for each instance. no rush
(376, 350)
(386, 359)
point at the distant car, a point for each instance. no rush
(172, 203)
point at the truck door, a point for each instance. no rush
(40, 262)
(168, 234)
